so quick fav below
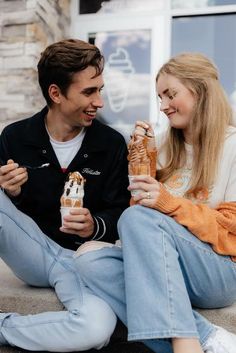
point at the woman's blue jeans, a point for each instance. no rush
(87, 321)
(161, 273)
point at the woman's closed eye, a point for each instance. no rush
(172, 95)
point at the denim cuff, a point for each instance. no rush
(3, 316)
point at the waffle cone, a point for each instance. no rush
(139, 168)
(142, 155)
(70, 202)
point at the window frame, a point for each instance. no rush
(207, 10)
(83, 24)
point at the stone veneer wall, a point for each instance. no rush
(26, 28)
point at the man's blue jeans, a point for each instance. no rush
(161, 272)
(87, 321)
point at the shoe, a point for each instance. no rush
(220, 341)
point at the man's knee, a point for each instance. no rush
(89, 265)
(99, 321)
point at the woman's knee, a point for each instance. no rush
(130, 213)
(139, 225)
(138, 214)
(138, 220)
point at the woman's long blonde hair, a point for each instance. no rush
(211, 117)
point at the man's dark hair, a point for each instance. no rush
(61, 60)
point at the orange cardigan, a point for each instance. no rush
(214, 226)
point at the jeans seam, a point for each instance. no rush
(164, 227)
(210, 252)
(169, 291)
(19, 226)
(7, 325)
(68, 268)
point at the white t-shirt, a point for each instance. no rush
(224, 188)
(66, 151)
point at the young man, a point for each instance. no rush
(65, 137)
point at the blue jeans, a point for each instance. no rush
(161, 273)
(87, 321)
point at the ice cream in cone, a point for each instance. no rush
(73, 194)
(142, 155)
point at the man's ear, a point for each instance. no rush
(54, 93)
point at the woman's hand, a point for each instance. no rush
(149, 190)
(142, 129)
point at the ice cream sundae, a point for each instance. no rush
(73, 194)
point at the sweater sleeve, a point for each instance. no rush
(214, 226)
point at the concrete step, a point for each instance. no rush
(16, 296)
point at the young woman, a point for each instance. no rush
(179, 240)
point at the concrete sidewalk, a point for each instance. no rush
(15, 296)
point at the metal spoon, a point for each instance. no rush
(45, 165)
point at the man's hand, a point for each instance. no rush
(12, 177)
(79, 222)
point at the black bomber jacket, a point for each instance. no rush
(102, 160)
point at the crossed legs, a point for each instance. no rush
(87, 322)
(162, 271)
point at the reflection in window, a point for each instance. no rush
(113, 6)
(126, 75)
(187, 4)
(118, 73)
(213, 36)
(91, 6)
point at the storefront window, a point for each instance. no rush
(126, 76)
(213, 36)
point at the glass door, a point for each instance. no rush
(134, 46)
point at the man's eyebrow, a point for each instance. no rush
(92, 88)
